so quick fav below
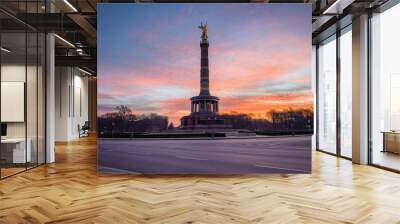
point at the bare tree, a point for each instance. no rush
(123, 111)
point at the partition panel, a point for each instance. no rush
(327, 95)
(23, 89)
(385, 89)
(346, 93)
(15, 149)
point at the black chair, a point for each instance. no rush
(84, 130)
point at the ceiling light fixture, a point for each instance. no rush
(64, 40)
(337, 7)
(5, 50)
(70, 5)
(84, 71)
(327, 11)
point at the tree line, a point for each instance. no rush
(124, 120)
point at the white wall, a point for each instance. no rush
(11, 73)
(81, 104)
(17, 73)
(33, 126)
(71, 102)
(62, 82)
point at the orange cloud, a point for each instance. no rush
(256, 106)
(242, 70)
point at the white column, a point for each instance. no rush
(50, 99)
(360, 90)
(50, 92)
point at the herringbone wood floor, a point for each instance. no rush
(70, 191)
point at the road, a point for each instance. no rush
(222, 156)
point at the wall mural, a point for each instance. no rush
(204, 88)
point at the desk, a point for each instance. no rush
(391, 141)
(15, 148)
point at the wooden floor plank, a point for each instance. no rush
(71, 191)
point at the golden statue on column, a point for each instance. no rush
(204, 31)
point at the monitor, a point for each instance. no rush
(3, 129)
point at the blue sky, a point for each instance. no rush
(149, 56)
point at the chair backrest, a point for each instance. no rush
(86, 125)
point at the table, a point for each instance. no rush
(391, 141)
(15, 148)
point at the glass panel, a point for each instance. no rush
(346, 94)
(41, 98)
(23, 90)
(13, 89)
(32, 88)
(313, 81)
(385, 84)
(327, 96)
(31, 100)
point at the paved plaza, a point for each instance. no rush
(195, 156)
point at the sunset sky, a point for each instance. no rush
(149, 57)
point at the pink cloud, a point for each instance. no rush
(257, 106)
(232, 68)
